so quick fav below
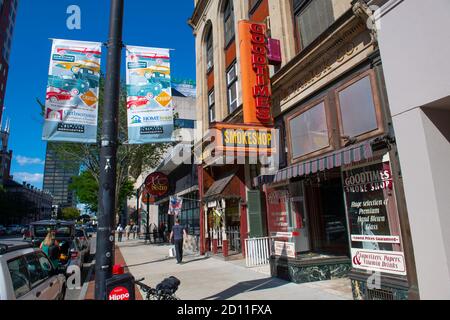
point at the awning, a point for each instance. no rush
(218, 187)
(351, 154)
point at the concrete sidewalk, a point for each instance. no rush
(207, 278)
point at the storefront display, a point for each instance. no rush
(372, 215)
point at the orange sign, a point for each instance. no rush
(147, 198)
(256, 89)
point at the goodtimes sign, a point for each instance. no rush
(256, 88)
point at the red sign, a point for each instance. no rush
(157, 184)
(119, 293)
(256, 87)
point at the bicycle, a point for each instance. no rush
(155, 294)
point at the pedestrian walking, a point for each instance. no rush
(119, 233)
(127, 231)
(162, 230)
(177, 234)
(134, 230)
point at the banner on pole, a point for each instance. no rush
(175, 205)
(71, 102)
(149, 101)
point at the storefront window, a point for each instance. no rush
(357, 108)
(309, 131)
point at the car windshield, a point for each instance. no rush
(61, 232)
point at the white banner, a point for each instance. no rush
(149, 101)
(381, 261)
(71, 106)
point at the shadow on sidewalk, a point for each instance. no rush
(247, 286)
(194, 260)
(149, 262)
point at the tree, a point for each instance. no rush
(70, 214)
(86, 188)
(132, 160)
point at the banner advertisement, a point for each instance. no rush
(175, 206)
(373, 219)
(71, 105)
(149, 95)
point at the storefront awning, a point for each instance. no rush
(218, 187)
(354, 153)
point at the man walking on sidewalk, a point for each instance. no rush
(177, 234)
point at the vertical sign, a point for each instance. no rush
(373, 219)
(149, 102)
(256, 89)
(71, 105)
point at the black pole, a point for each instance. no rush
(104, 258)
(138, 222)
(147, 237)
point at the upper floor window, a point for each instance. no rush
(232, 85)
(312, 18)
(229, 22)
(211, 107)
(209, 51)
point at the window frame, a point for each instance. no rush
(28, 275)
(376, 101)
(230, 84)
(228, 13)
(211, 106)
(329, 123)
(209, 45)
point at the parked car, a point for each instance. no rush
(14, 229)
(2, 230)
(144, 90)
(26, 232)
(77, 254)
(85, 244)
(75, 86)
(90, 231)
(64, 235)
(26, 273)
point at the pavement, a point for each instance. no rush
(209, 278)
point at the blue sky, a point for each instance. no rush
(146, 23)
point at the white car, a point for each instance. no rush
(27, 274)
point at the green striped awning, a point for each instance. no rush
(354, 153)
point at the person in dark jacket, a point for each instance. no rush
(177, 234)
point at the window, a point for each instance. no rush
(229, 22)
(309, 131)
(37, 275)
(19, 276)
(209, 51)
(312, 18)
(357, 111)
(211, 107)
(232, 85)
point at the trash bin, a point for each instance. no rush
(120, 287)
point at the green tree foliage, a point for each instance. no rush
(70, 214)
(86, 187)
(132, 160)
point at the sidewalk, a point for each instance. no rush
(204, 278)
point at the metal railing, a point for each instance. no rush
(257, 251)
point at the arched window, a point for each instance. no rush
(228, 16)
(209, 51)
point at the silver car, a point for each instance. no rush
(27, 274)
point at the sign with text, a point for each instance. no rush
(157, 184)
(285, 249)
(149, 95)
(373, 218)
(256, 88)
(71, 103)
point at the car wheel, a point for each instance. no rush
(74, 92)
(54, 99)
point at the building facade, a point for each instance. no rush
(5, 155)
(336, 205)
(8, 13)
(58, 177)
(419, 98)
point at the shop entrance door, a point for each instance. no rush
(328, 224)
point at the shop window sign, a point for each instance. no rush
(373, 219)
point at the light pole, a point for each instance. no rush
(108, 154)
